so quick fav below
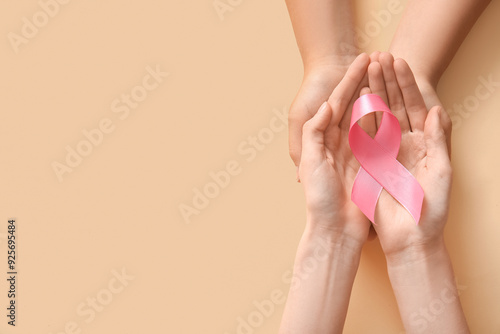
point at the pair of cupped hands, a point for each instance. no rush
(327, 166)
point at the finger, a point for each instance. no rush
(313, 135)
(395, 98)
(435, 140)
(345, 122)
(364, 91)
(295, 123)
(364, 83)
(377, 85)
(376, 81)
(374, 56)
(299, 114)
(342, 95)
(367, 122)
(447, 127)
(413, 100)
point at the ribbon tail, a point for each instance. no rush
(365, 193)
(388, 172)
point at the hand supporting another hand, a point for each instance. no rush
(335, 226)
(328, 167)
(423, 151)
(418, 263)
(326, 39)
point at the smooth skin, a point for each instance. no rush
(324, 30)
(317, 302)
(428, 36)
(418, 264)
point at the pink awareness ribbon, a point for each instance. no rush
(379, 166)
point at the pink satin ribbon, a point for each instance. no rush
(379, 167)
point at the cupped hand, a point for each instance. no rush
(424, 152)
(320, 79)
(327, 167)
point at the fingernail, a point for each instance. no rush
(323, 107)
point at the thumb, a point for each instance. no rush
(313, 133)
(435, 138)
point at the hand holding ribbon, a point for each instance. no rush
(379, 167)
(423, 152)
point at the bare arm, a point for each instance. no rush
(419, 267)
(329, 251)
(324, 31)
(430, 33)
(324, 273)
(424, 286)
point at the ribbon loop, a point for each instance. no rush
(379, 167)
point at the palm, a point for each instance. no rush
(342, 168)
(395, 226)
(418, 153)
(315, 89)
(333, 176)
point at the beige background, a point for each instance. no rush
(120, 207)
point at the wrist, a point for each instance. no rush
(331, 236)
(322, 66)
(417, 254)
(422, 279)
(423, 72)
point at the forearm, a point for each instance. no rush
(323, 30)
(431, 31)
(424, 285)
(324, 273)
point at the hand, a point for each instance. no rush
(320, 79)
(328, 168)
(336, 228)
(424, 152)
